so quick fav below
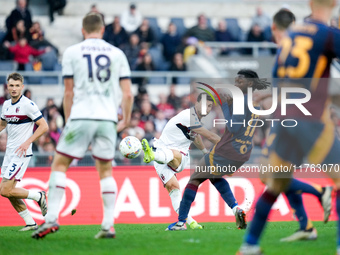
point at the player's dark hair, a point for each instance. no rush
(92, 22)
(16, 77)
(258, 83)
(283, 19)
(209, 98)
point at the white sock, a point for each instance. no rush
(235, 209)
(163, 155)
(34, 195)
(26, 216)
(56, 192)
(108, 188)
(176, 198)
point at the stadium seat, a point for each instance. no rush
(183, 80)
(153, 23)
(157, 58)
(179, 22)
(157, 80)
(31, 79)
(49, 60)
(57, 67)
(49, 80)
(268, 34)
(234, 28)
(2, 35)
(6, 66)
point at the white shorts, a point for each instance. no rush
(79, 134)
(165, 172)
(14, 167)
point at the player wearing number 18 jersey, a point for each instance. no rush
(97, 79)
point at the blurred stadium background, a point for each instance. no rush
(165, 61)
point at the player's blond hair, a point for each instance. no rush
(16, 77)
(325, 3)
(92, 22)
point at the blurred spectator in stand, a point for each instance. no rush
(54, 131)
(95, 10)
(45, 110)
(54, 115)
(261, 19)
(173, 99)
(255, 35)
(160, 121)
(139, 98)
(171, 40)
(19, 13)
(49, 147)
(22, 52)
(145, 65)
(148, 114)
(38, 38)
(131, 19)
(134, 129)
(115, 34)
(201, 31)
(223, 35)
(38, 145)
(3, 141)
(177, 65)
(18, 31)
(132, 50)
(28, 93)
(145, 33)
(165, 107)
(149, 128)
(55, 6)
(5, 96)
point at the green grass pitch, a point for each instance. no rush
(151, 239)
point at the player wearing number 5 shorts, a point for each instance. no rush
(19, 114)
(97, 79)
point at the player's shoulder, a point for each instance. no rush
(26, 101)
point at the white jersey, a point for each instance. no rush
(20, 118)
(96, 68)
(176, 133)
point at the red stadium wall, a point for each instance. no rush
(142, 198)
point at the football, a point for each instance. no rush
(130, 147)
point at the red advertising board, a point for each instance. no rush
(142, 198)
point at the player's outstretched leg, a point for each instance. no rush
(223, 188)
(306, 230)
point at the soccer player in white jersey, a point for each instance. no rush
(97, 78)
(172, 148)
(19, 114)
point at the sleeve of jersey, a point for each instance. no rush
(124, 72)
(67, 68)
(33, 112)
(234, 122)
(2, 113)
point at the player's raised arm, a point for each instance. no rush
(42, 128)
(212, 137)
(68, 97)
(127, 102)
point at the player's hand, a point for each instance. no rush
(7, 44)
(22, 149)
(122, 125)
